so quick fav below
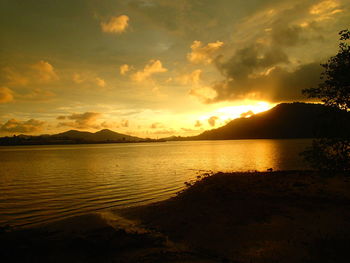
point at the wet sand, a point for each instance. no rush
(287, 216)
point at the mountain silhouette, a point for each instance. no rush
(100, 136)
(72, 137)
(286, 120)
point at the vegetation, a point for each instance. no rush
(330, 152)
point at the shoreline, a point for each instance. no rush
(153, 141)
(282, 216)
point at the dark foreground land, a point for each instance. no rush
(237, 217)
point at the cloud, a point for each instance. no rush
(17, 126)
(278, 84)
(163, 132)
(287, 35)
(6, 95)
(187, 130)
(212, 120)
(44, 72)
(123, 69)
(116, 25)
(325, 10)
(279, 56)
(156, 125)
(37, 94)
(191, 79)
(251, 60)
(41, 72)
(153, 67)
(87, 78)
(198, 124)
(204, 94)
(124, 123)
(100, 82)
(77, 78)
(14, 78)
(247, 114)
(81, 121)
(203, 54)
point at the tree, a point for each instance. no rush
(335, 89)
(330, 153)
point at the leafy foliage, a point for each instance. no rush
(335, 89)
(330, 153)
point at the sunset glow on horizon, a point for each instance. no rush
(154, 68)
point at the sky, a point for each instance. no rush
(158, 68)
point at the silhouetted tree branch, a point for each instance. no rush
(335, 89)
(330, 153)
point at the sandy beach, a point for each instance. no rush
(289, 216)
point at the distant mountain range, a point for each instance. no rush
(100, 136)
(286, 120)
(72, 137)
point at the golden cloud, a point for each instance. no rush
(81, 120)
(14, 78)
(325, 9)
(153, 67)
(77, 78)
(123, 69)
(16, 126)
(44, 72)
(100, 82)
(6, 95)
(247, 114)
(41, 72)
(36, 95)
(203, 54)
(191, 79)
(212, 120)
(124, 123)
(115, 25)
(85, 78)
(204, 94)
(156, 125)
(198, 124)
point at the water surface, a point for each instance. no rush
(44, 183)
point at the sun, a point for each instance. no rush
(241, 109)
(246, 110)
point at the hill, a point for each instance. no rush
(286, 120)
(72, 137)
(100, 136)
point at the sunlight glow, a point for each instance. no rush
(247, 109)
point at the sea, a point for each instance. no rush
(40, 184)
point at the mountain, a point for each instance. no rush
(100, 136)
(72, 137)
(286, 120)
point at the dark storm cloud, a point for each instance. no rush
(266, 67)
(250, 59)
(278, 85)
(286, 29)
(287, 36)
